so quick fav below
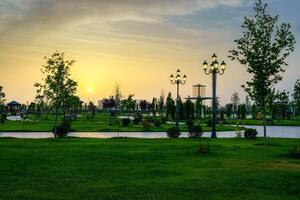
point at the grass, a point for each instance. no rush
(75, 168)
(259, 122)
(101, 123)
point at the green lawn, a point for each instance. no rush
(259, 122)
(147, 169)
(101, 123)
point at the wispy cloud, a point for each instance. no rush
(42, 14)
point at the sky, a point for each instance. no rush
(135, 43)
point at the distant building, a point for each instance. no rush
(14, 107)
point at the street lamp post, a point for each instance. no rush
(214, 70)
(178, 80)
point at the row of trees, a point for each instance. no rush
(280, 105)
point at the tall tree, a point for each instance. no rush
(263, 49)
(161, 102)
(248, 104)
(296, 97)
(170, 106)
(283, 103)
(117, 95)
(235, 99)
(58, 83)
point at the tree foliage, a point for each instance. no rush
(296, 96)
(57, 85)
(263, 48)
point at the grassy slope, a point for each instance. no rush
(147, 169)
(99, 124)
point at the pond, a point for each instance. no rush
(272, 131)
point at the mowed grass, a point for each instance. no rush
(294, 122)
(75, 168)
(100, 123)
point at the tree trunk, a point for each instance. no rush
(265, 126)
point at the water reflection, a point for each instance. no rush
(272, 131)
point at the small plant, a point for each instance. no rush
(146, 125)
(294, 152)
(63, 129)
(125, 121)
(250, 133)
(204, 148)
(195, 131)
(173, 132)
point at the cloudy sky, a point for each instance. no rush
(137, 43)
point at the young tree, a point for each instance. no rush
(2, 99)
(58, 84)
(263, 50)
(296, 97)
(235, 99)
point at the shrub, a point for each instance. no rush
(294, 152)
(125, 121)
(204, 148)
(157, 123)
(173, 132)
(146, 125)
(63, 129)
(195, 131)
(250, 133)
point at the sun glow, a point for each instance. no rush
(90, 90)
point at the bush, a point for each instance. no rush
(204, 148)
(195, 131)
(294, 152)
(250, 133)
(173, 132)
(125, 121)
(146, 125)
(157, 123)
(63, 129)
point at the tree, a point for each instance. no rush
(296, 97)
(154, 106)
(282, 102)
(248, 104)
(58, 84)
(2, 99)
(117, 95)
(263, 50)
(235, 99)
(161, 102)
(170, 106)
(229, 110)
(189, 109)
